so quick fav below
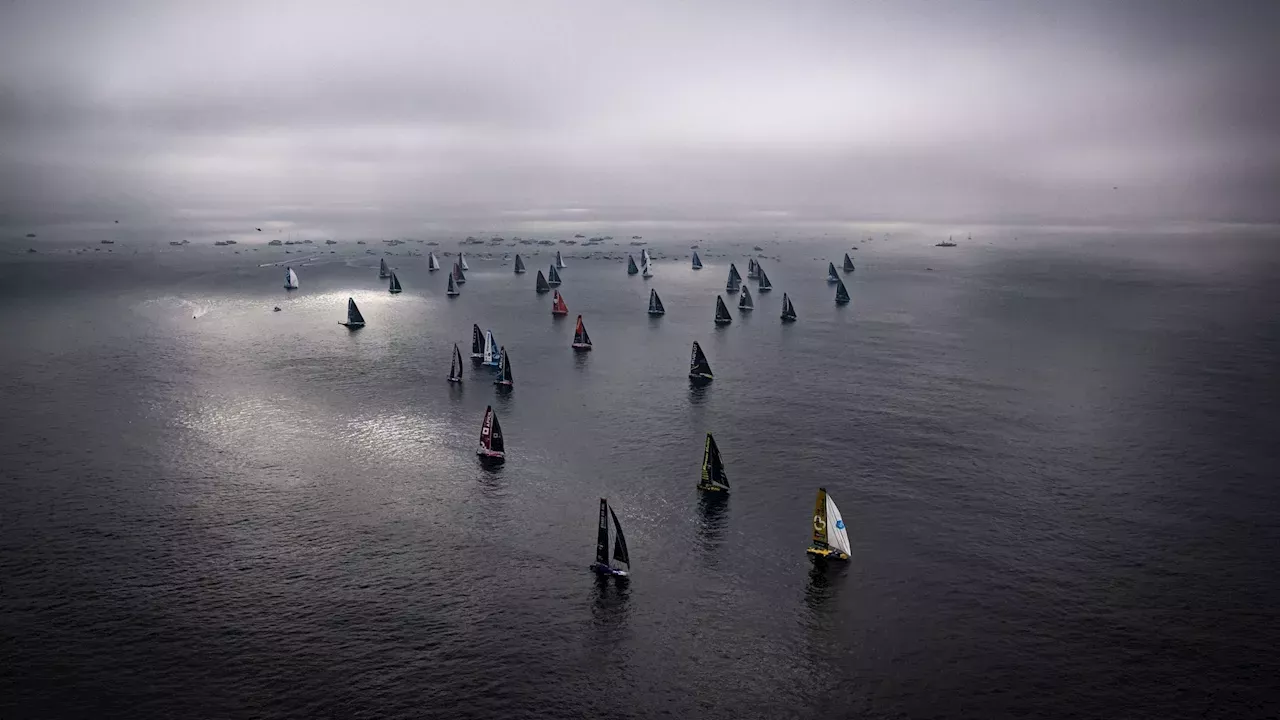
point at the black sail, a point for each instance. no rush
(620, 542)
(722, 312)
(713, 472)
(735, 280)
(519, 264)
(452, 289)
(655, 303)
(698, 365)
(842, 295)
(631, 266)
(353, 313)
(602, 534)
(553, 276)
(831, 273)
(495, 436)
(848, 263)
(477, 342)
(542, 283)
(504, 371)
(788, 312)
(765, 285)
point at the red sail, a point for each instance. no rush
(557, 305)
(486, 429)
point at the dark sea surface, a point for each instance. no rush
(1057, 460)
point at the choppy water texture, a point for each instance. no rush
(1057, 464)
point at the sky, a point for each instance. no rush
(516, 113)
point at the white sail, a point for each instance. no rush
(837, 535)
(492, 353)
(432, 262)
(560, 261)
(462, 262)
(648, 269)
(291, 279)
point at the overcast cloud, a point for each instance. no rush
(501, 112)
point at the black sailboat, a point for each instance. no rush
(832, 277)
(655, 303)
(744, 300)
(383, 271)
(714, 477)
(491, 447)
(455, 367)
(452, 290)
(395, 284)
(458, 277)
(519, 265)
(764, 285)
(553, 276)
(504, 379)
(842, 295)
(603, 565)
(848, 263)
(542, 285)
(477, 343)
(722, 312)
(581, 340)
(631, 265)
(699, 368)
(734, 281)
(354, 318)
(788, 312)
(697, 261)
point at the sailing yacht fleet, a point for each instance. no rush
(830, 538)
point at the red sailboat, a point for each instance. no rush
(581, 340)
(491, 446)
(557, 305)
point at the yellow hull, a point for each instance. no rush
(827, 553)
(713, 488)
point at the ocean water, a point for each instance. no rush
(1057, 462)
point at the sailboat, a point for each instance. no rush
(455, 367)
(491, 446)
(699, 368)
(557, 305)
(433, 263)
(462, 261)
(542, 283)
(383, 271)
(830, 538)
(477, 343)
(581, 340)
(764, 286)
(458, 277)
(290, 279)
(504, 379)
(492, 352)
(714, 478)
(395, 284)
(735, 280)
(645, 257)
(788, 312)
(631, 265)
(832, 277)
(452, 291)
(842, 295)
(655, 304)
(354, 318)
(848, 263)
(519, 265)
(744, 300)
(752, 269)
(560, 260)
(603, 565)
(722, 312)
(646, 270)
(697, 261)
(553, 277)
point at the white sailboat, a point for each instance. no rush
(560, 261)
(433, 263)
(462, 261)
(492, 352)
(290, 279)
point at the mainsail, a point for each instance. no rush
(519, 265)
(462, 261)
(744, 300)
(504, 371)
(697, 261)
(433, 263)
(560, 260)
(848, 263)
(542, 283)
(735, 280)
(831, 273)
(753, 269)
(714, 476)
(722, 312)
(699, 368)
(383, 272)
(655, 303)
(452, 290)
(354, 318)
(395, 284)
(491, 445)
(557, 305)
(455, 367)
(492, 352)
(631, 265)
(788, 312)
(458, 277)
(477, 343)
(290, 279)
(553, 277)
(764, 286)
(581, 340)
(842, 295)
(619, 542)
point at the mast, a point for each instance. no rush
(519, 265)
(722, 312)
(542, 285)
(631, 265)
(744, 300)
(477, 342)
(842, 295)
(699, 368)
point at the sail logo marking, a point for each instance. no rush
(819, 523)
(839, 524)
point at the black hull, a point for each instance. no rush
(352, 326)
(723, 322)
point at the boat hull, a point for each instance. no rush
(556, 312)
(699, 377)
(290, 287)
(788, 318)
(723, 322)
(489, 456)
(455, 380)
(606, 570)
(504, 384)
(764, 290)
(553, 284)
(453, 294)
(581, 347)
(352, 326)
(712, 488)
(825, 554)
(655, 313)
(395, 292)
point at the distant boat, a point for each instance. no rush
(581, 340)
(646, 270)
(290, 279)
(491, 446)
(477, 343)
(848, 263)
(832, 277)
(744, 300)
(433, 263)
(699, 368)
(519, 265)
(560, 261)
(458, 277)
(354, 318)
(504, 378)
(492, 351)
(383, 271)
(462, 261)
(655, 303)
(455, 367)
(722, 312)
(752, 269)
(645, 257)
(714, 477)
(788, 312)
(764, 286)
(830, 537)
(631, 265)
(842, 295)
(395, 284)
(603, 565)
(697, 261)
(553, 277)
(452, 291)
(735, 280)
(557, 305)
(946, 243)
(542, 283)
